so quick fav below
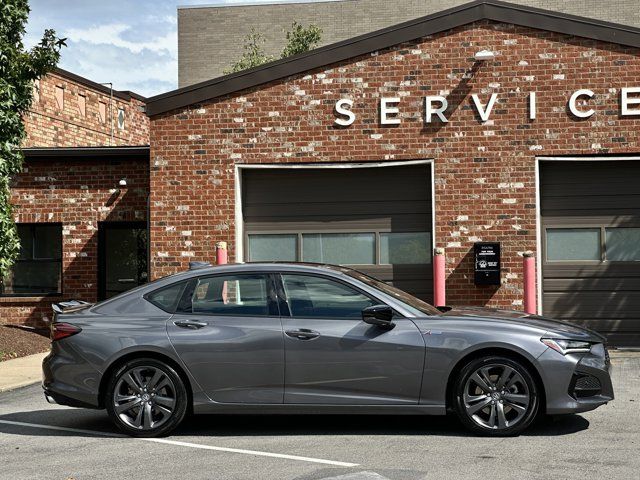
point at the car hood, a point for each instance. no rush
(551, 326)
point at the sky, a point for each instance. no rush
(131, 43)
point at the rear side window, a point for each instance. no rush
(166, 298)
(231, 295)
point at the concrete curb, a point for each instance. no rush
(21, 372)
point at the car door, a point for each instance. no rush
(227, 331)
(333, 357)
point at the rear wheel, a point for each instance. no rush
(496, 396)
(146, 398)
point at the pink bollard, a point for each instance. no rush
(439, 296)
(530, 283)
(221, 253)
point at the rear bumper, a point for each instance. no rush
(57, 398)
(60, 380)
(563, 372)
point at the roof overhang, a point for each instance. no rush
(88, 153)
(431, 24)
(100, 87)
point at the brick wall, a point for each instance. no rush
(211, 38)
(484, 172)
(78, 194)
(49, 125)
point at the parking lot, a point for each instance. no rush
(42, 441)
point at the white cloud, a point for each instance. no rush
(111, 34)
(132, 43)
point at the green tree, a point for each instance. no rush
(299, 39)
(19, 68)
(253, 54)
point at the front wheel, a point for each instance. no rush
(496, 396)
(146, 398)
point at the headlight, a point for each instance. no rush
(567, 346)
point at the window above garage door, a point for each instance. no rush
(593, 244)
(343, 248)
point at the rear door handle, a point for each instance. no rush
(192, 324)
(303, 334)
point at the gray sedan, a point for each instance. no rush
(277, 338)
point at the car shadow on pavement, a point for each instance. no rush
(279, 425)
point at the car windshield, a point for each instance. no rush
(404, 297)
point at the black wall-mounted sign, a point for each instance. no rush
(487, 263)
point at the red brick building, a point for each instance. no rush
(487, 122)
(73, 214)
(375, 150)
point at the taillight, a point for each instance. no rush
(63, 330)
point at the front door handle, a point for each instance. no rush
(192, 324)
(303, 334)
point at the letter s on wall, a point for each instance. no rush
(346, 112)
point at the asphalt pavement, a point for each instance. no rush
(42, 441)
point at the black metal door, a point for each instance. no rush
(122, 257)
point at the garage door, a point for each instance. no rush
(377, 220)
(591, 245)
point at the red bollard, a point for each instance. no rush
(439, 296)
(221, 259)
(530, 283)
(221, 253)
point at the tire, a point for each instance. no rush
(146, 397)
(496, 396)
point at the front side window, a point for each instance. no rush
(231, 295)
(38, 268)
(320, 297)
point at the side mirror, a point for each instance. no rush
(378, 315)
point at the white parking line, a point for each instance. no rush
(182, 444)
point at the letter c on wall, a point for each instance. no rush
(341, 109)
(572, 103)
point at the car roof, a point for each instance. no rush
(268, 266)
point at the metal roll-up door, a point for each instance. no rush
(375, 219)
(591, 245)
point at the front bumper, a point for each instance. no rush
(562, 372)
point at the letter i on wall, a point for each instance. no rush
(532, 105)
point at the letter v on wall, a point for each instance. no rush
(484, 112)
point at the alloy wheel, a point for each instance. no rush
(144, 397)
(496, 396)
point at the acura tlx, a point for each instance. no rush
(279, 338)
